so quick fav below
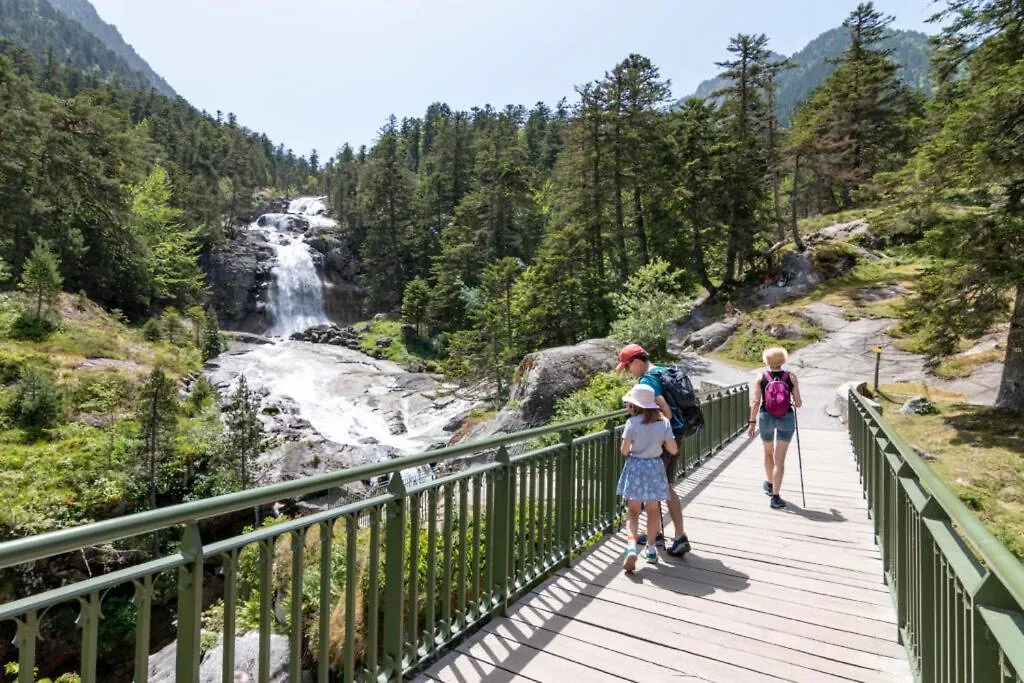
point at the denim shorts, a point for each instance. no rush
(778, 428)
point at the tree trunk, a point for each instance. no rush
(641, 230)
(793, 199)
(1011, 387)
(698, 258)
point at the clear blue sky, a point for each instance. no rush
(318, 73)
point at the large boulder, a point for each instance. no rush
(247, 648)
(547, 375)
(239, 276)
(542, 378)
(712, 336)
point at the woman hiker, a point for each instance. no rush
(643, 481)
(773, 411)
(635, 359)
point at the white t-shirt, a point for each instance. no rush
(646, 438)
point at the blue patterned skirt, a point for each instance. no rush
(643, 479)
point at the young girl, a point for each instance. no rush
(643, 476)
(775, 432)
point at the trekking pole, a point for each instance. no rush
(799, 458)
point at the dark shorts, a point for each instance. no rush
(671, 462)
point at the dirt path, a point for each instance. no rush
(846, 354)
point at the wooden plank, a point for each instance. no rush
(619, 628)
(528, 661)
(667, 578)
(794, 595)
(457, 667)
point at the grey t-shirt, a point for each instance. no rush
(646, 438)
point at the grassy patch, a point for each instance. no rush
(755, 334)
(404, 348)
(871, 214)
(959, 367)
(977, 451)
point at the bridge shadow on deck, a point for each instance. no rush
(764, 595)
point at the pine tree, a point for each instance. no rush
(36, 402)
(746, 164)
(210, 341)
(41, 279)
(157, 417)
(858, 122)
(416, 302)
(387, 211)
(244, 439)
(975, 158)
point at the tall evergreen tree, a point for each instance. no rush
(157, 418)
(975, 159)
(41, 279)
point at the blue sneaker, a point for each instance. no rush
(652, 555)
(680, 546)
(641, 540)
(767, 488)
(777, 503)
(629, 563)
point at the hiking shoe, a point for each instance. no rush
(777, 502)
(629, 563)
(641, 540)
(651, 555)
(660, 541)
(680, 546)
(767, 488)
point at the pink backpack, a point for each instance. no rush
(776, 394)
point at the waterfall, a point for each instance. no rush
(297, 298)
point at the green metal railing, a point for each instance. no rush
(958, 591)
(364, 591)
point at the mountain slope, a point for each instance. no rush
(49, 34)
(84, 13)
(910, 49)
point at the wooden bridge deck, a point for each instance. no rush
(792, 595)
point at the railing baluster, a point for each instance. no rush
(394, 581)
(446, 567)
(25, 638)
(324, 635)
(229, 563)
(351, 585)
(298, 538)
(143, 618)
(190, 607)
(431, 639)
(413, 612)
(373, 598)
(266, 603)
(462, 618)
(89, 622)
(478, 511)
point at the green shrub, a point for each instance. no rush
(151, 330)
(35, 405)
(27, 327)
(833, 259)
(651, 300)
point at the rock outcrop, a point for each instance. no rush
(247, 648)
(239, 275)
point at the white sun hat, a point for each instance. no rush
(641, 395)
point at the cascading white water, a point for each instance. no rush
(297, 299)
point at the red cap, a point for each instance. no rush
(628, 353)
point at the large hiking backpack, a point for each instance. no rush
(687, 418)
(777, 395)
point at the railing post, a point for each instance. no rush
(611, 453)
(394, 581)
(501, 530)
(25, 639)
(991, 593)
(190, 606)
(566, 489)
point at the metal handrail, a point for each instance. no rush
(490, 533)
(996, 556)
(958, 591)
(32, 548)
